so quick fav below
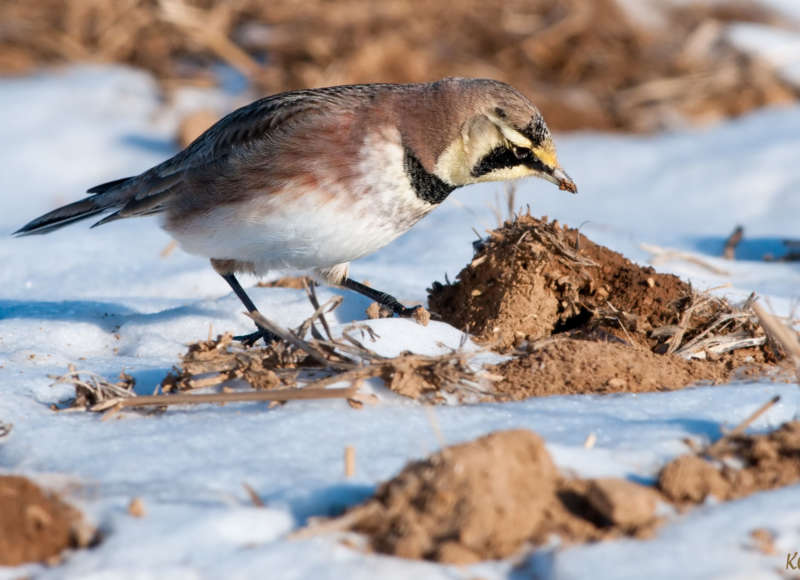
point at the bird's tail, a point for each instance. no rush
(104, 197)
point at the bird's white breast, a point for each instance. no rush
(301, 228)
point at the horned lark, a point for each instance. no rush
(314, 179)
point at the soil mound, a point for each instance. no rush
(583, 318)
(488, 498)
(531, 279)
(570, 366)
(35, 526)
(485, 499)
(735, 467)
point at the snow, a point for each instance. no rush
(780, 48)
(105, 300)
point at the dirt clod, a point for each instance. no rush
(136, 508)
(422, 316)
(691, 478)
(486, 498)
(622, 502)
(538, 278)
(743, 465)
(375, 311)
(763, 540)
(34, 525)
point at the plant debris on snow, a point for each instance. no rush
(296, 367)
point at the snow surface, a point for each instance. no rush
(780, 48)
(105, 299)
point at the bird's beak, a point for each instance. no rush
(562, 180)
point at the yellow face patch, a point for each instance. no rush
(546, 154)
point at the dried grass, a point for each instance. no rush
(294, 368)
(92, 389)
(587, 64)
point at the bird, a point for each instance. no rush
(313, 179)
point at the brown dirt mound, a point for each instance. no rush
(486, 498)
(570, 366)
(589, 319)
(35, 526)
(532, 279)
(735, 467)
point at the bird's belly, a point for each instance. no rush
(299, 231)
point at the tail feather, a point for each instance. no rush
(63, 216)
(151, 204)
(104, 187)
(130, 196)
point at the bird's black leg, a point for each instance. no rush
(380, 297)
(248, 339)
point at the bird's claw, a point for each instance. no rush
(253, 337)
(407, 312)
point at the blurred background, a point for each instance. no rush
(618, 65)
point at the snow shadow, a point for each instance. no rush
(324, 502)
(709, 430)
(146, 380)
(352, 308)
(108, 316)
(748, 249)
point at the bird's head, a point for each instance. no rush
(501, 135)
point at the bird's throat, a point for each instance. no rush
(426, 185)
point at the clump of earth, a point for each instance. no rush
(490, 497)
(485, 498)
(36, 526)
(578, 317)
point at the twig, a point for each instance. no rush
(312, 297)
(319, 312)
(683, 324)
(257, 501)
(306, 347)
(739, 429)
(327, 526)
(661, 255)
(181, 399)
(349, 461)
(205, 30)
(511, 194)
(781, 334)
(729, 253)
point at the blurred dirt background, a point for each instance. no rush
(587, 64)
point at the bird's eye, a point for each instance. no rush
(522, 152)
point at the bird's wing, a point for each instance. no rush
(253, 134)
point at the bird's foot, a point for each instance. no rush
(253, 337)
(405, 311)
